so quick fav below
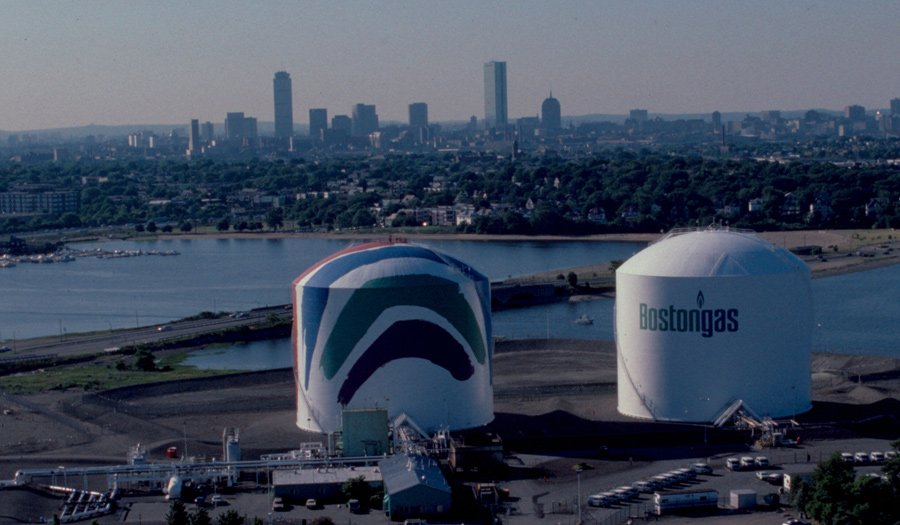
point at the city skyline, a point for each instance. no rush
(108, 63)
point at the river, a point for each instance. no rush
(854, 313)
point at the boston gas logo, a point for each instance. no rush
(704, 321)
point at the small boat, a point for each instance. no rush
(585, 319)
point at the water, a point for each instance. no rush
(222, 275)
(855, 313)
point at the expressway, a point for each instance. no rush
(72, 345)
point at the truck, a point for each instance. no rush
(789, 481)
(689, 500)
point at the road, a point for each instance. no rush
(72, 345)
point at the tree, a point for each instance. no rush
(323, 520)
(223, 225)
(829, 497)
(199, 517)
(275, 218)
(151, 227)
(572, 279)
(186, 226)
(357, 488)
(144, 361)
(177, 514)
(230, 517)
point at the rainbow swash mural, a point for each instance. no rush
(397, 326)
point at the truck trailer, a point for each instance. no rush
(689, 500)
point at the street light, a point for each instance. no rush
(579, 468)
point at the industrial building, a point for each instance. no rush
(396, 326)
(322, 483)
(711, 320)
(414, 486)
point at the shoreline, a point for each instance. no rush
(837, 245)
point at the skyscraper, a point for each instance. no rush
(318, 123)
(234, 126)
(284, 105)
(551, 114)
(365, 120)
(418, 122)
(194, 137)
(418, 115)
(495, 112)
(895, 106)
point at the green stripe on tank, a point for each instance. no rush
(368, 302)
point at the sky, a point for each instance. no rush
(65, 64)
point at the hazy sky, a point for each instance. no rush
(139, 62)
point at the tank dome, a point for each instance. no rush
(708, 318)
(393, 325)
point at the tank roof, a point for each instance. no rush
(712, 253)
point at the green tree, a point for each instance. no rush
(199, 517)
(144, 361)
(357, 488)
(230, 517)
(829, 497)
(275, 218)
(572, 279)
(177, 514)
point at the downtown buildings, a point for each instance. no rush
(284, 105)
(495, 104)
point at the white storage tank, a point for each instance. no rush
(708, 318)
(397, 326)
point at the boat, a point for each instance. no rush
(584, 319)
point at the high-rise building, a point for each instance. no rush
(495, 107)
(342, 124)
(418, 115)
(638, 115)
(551, 114)
(208, 134)
(716, 121)
(234, 126)
(365, 120)
(895, 106)
(194, 137)
(855, 112)
(418, 121)
(318, 123)
(284, 105)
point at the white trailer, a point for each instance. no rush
(694, 500)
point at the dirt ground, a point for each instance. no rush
(532, 378)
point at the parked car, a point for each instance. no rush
(747, 462)
(846, 457)
(733, 464)
(312, 504)
(761, 462)
(701, 468)
(861, 458)
(876, 457)
(278, 504)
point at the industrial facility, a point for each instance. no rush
(710, 321)
(397, 326)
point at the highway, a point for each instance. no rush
(72, 345)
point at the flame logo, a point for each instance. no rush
(700, 300)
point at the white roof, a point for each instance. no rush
(710, 253)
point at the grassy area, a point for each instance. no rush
(100, 375)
